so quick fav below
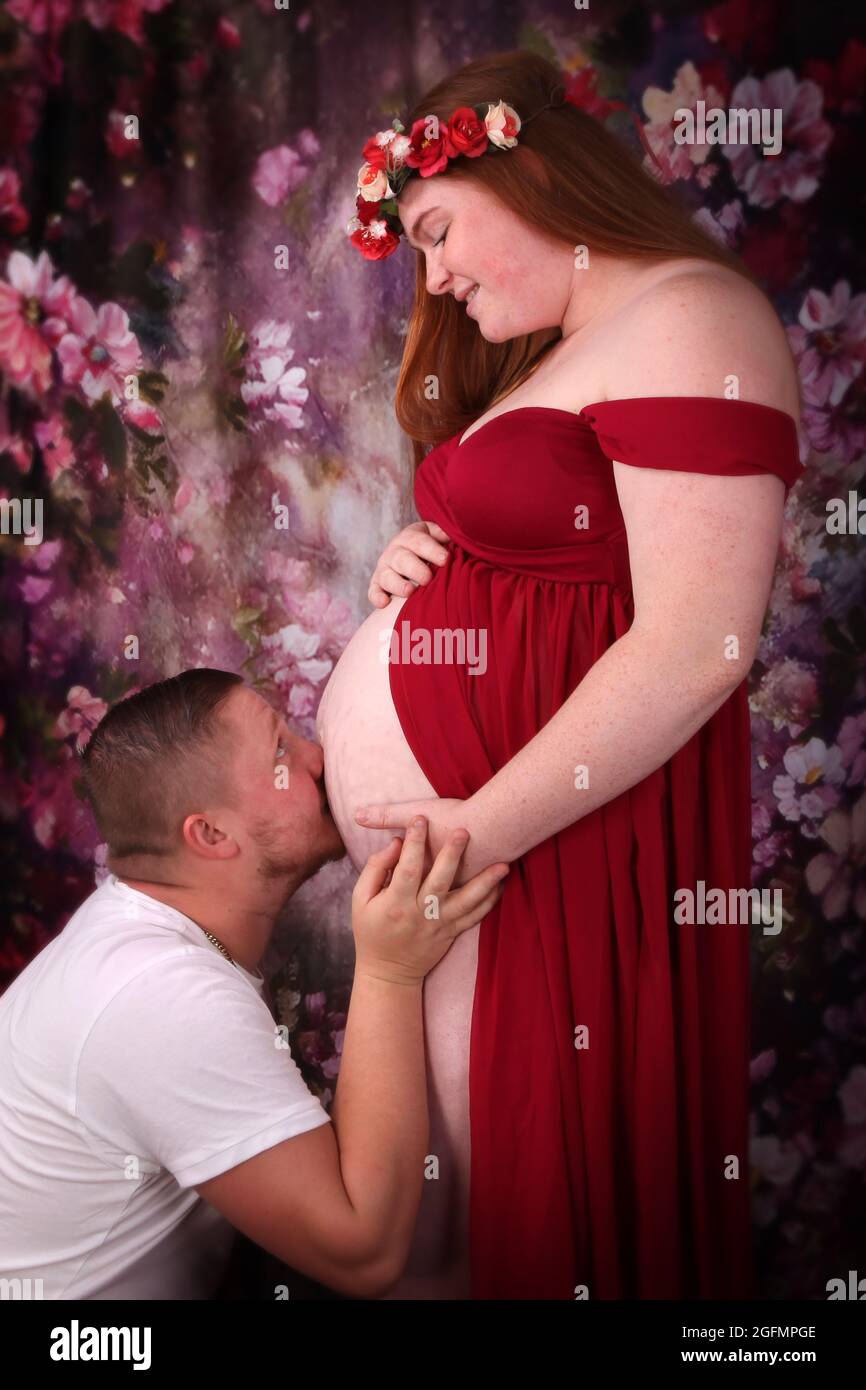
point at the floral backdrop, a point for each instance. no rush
(200, 250)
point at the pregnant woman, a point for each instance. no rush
(613, 412)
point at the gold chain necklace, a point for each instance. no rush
(220, 947)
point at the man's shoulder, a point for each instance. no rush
(111, 948)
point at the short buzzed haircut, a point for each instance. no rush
(155, 758)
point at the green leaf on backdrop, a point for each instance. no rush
(112, 435)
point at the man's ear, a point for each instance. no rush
(205, 838)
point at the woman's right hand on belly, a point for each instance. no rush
(401, 568)
(403, 926)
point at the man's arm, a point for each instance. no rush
(339, 1202)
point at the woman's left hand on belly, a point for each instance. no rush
(444, 814)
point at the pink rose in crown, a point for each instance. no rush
(503, 124)
(373, 184)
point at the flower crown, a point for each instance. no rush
(391, 156)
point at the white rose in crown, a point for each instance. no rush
(373, 184)
(502, 124)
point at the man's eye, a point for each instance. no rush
(281, 750)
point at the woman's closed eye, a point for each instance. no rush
(442, 238)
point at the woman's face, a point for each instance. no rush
(524, 280)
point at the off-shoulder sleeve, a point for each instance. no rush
(698, 434)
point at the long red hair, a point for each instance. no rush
(572, 179)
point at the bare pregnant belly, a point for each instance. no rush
(367, 760)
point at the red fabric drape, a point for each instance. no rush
(602, 1165)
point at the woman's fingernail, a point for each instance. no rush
(418, 822)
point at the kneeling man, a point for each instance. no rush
(148, 1104)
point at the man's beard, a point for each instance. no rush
(278, 861)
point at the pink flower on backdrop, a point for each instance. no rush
(281, 170)
(812, 773)
(292, 574)
(227, 35)
(838, 878)
(802, 550)
(184, 495)
(678, 161)
(295, 649)
(142, 414)
(34, 314)
(837, 432)
(44, 556)
(81, 716)
(829, 341)
(14, 216)
(777, 1161)
(57, 450)
(41, 16)
(125, 16)
(787, 696)
(302, 700)
(55, 813)
(34, 590)
(769, 851)
(762, 1065)
(761, 819)
(99, 350)
(327, 615)
(725, 225)
(796, 170)
(273, 389)
(851, 738)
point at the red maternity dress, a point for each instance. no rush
(605, 1165)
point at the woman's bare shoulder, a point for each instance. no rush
(703, 329)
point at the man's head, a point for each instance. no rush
(197, 780)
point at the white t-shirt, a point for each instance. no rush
(135, 1063)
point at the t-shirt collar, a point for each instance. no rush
(173, 917)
